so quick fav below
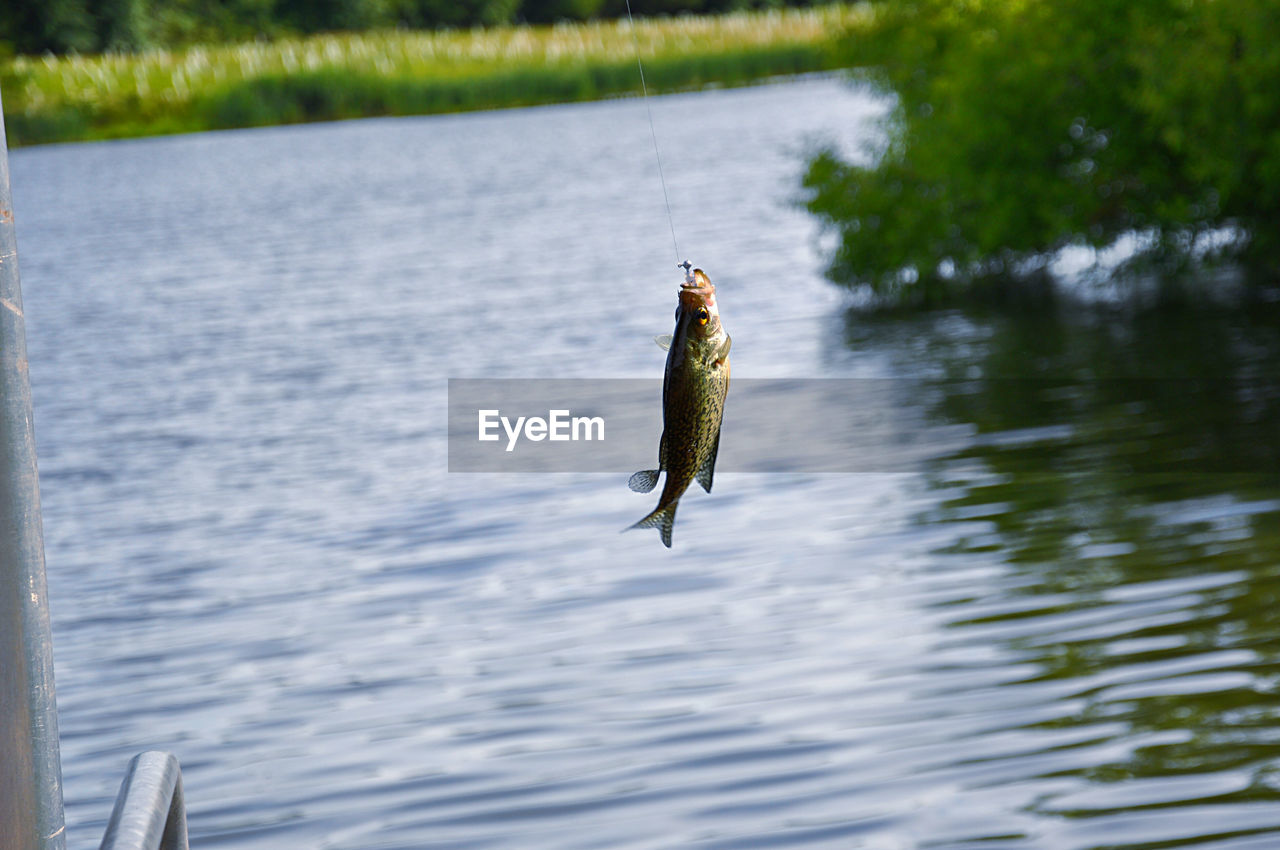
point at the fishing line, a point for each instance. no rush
(635, 40)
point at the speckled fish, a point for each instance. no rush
(693, 392)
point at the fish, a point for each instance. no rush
(694, 387)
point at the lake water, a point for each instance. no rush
(1058, 629)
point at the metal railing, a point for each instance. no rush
(30, 772)
(149, 812)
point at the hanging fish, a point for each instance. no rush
(693, 392)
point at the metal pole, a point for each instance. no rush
(30, 772)
(149, 813)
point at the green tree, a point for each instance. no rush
(38, 26)
(1021, 128)
(172, 22)
(550, 11)
(119, 24)
(432, 14)
(311, 16)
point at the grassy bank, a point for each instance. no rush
(402, 73)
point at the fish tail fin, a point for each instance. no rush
(662, 518)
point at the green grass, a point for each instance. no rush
(50, 99)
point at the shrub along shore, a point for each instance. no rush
(331, 77)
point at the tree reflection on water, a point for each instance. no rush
(1124, 469)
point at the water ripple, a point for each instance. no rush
(258, 559)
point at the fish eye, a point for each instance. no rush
(703, 315)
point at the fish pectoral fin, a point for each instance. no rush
(721, 352)
(708, 469)
(661, 519)
(643, 481)
(663, 341)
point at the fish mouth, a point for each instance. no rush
(693, 297)
(700, 293)
(699, 281)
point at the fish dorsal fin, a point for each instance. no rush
(708, 469)
(664, 341)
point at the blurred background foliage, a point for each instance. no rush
(402, 71)
(1022, 128)
(78, 26)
